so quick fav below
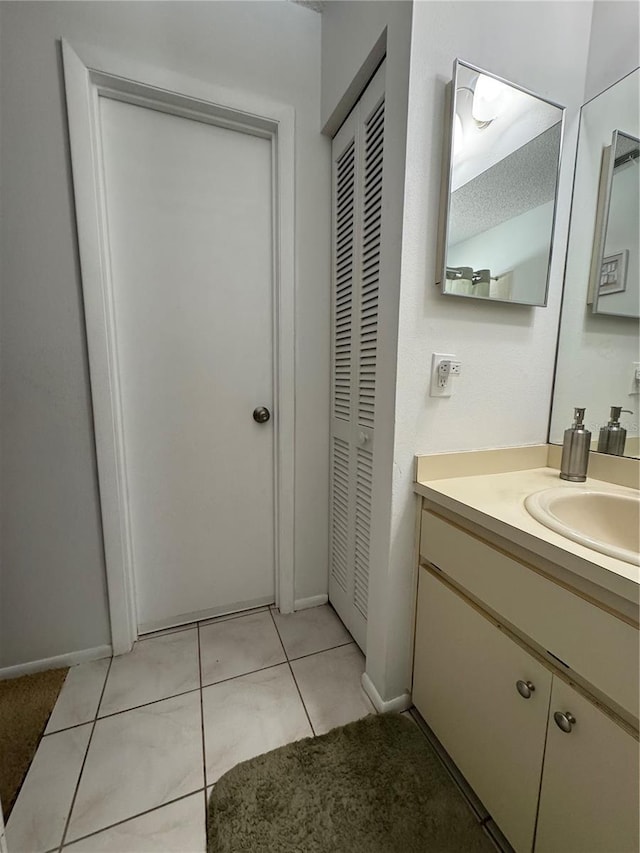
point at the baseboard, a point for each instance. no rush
(384, 706)
(70, 659)
(314, 601)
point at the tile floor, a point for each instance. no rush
(134, 742)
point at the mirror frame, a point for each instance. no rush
(602, 222)
(447, 181)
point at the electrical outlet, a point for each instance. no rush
(443, 367)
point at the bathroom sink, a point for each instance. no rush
(608, 522)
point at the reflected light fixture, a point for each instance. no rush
(489, 97)
(476, 108)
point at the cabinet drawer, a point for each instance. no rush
(596, 645)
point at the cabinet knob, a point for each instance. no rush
(564, 721)
(525, 688)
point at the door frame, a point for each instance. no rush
(91, 73)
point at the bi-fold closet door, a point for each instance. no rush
(357, 158)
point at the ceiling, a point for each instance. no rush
(524, 179)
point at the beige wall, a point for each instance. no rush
(52, 571)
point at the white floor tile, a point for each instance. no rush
(137, 761)
(176, 828)
(79, 697)
(309, 631)
(250, 715)
(156, 669)
(40, 813)
(330, 686)
(238, 646)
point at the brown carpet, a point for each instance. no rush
(374, 786)
(26, 704)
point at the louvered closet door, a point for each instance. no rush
(357, 215)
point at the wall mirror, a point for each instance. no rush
(615, 274)
(499, 189)
(598, 361)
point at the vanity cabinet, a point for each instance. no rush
(490, 692)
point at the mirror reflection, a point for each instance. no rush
(598, 363)
(615, 275)
(499, 202)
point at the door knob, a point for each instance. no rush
(564, 721)
(525, 688)
(261, 415)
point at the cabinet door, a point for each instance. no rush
(464, 686)
(589, 796)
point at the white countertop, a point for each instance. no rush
(496, 502)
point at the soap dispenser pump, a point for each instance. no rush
(575, 450)
(613, 436)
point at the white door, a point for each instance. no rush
(357, 156)
(189, 217)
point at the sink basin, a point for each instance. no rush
(608, 522)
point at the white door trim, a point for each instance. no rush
(91, 73)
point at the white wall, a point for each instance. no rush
(507, 351)
(613, 48)
(54, 595)
(350, 32)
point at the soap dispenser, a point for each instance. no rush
(575, 450)
(613, 436)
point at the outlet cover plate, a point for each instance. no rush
(434, 389)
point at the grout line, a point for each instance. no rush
(133, 817)
(84, 760)
(206, 816)
(321, 651)
(313, 731)
(146, 704)
(204, 751)
(242, 674)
